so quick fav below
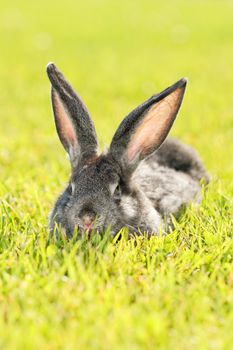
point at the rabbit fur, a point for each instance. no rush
(139, 182)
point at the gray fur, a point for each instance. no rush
(108, 190)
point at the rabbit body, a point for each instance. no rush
(170, 178)
(139, 182)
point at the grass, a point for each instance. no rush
(173, 292)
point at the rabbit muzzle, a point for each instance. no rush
(88, 222)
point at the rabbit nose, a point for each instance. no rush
(87, 221)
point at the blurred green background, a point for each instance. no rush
(115, 54)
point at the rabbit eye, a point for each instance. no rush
(115, 190)
(117, 193)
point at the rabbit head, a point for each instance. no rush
(101, 193)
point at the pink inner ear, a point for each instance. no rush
(155, 126)
(64, 125)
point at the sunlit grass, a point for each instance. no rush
(173, 292)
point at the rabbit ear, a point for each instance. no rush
(147, 126)
(73, 122)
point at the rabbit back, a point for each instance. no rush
(170, 178)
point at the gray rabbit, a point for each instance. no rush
(130, 185)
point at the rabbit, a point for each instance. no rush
(139, 182)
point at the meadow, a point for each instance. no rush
(173, 292)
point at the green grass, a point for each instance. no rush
(173, 292)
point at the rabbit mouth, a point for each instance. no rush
(95, 226)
